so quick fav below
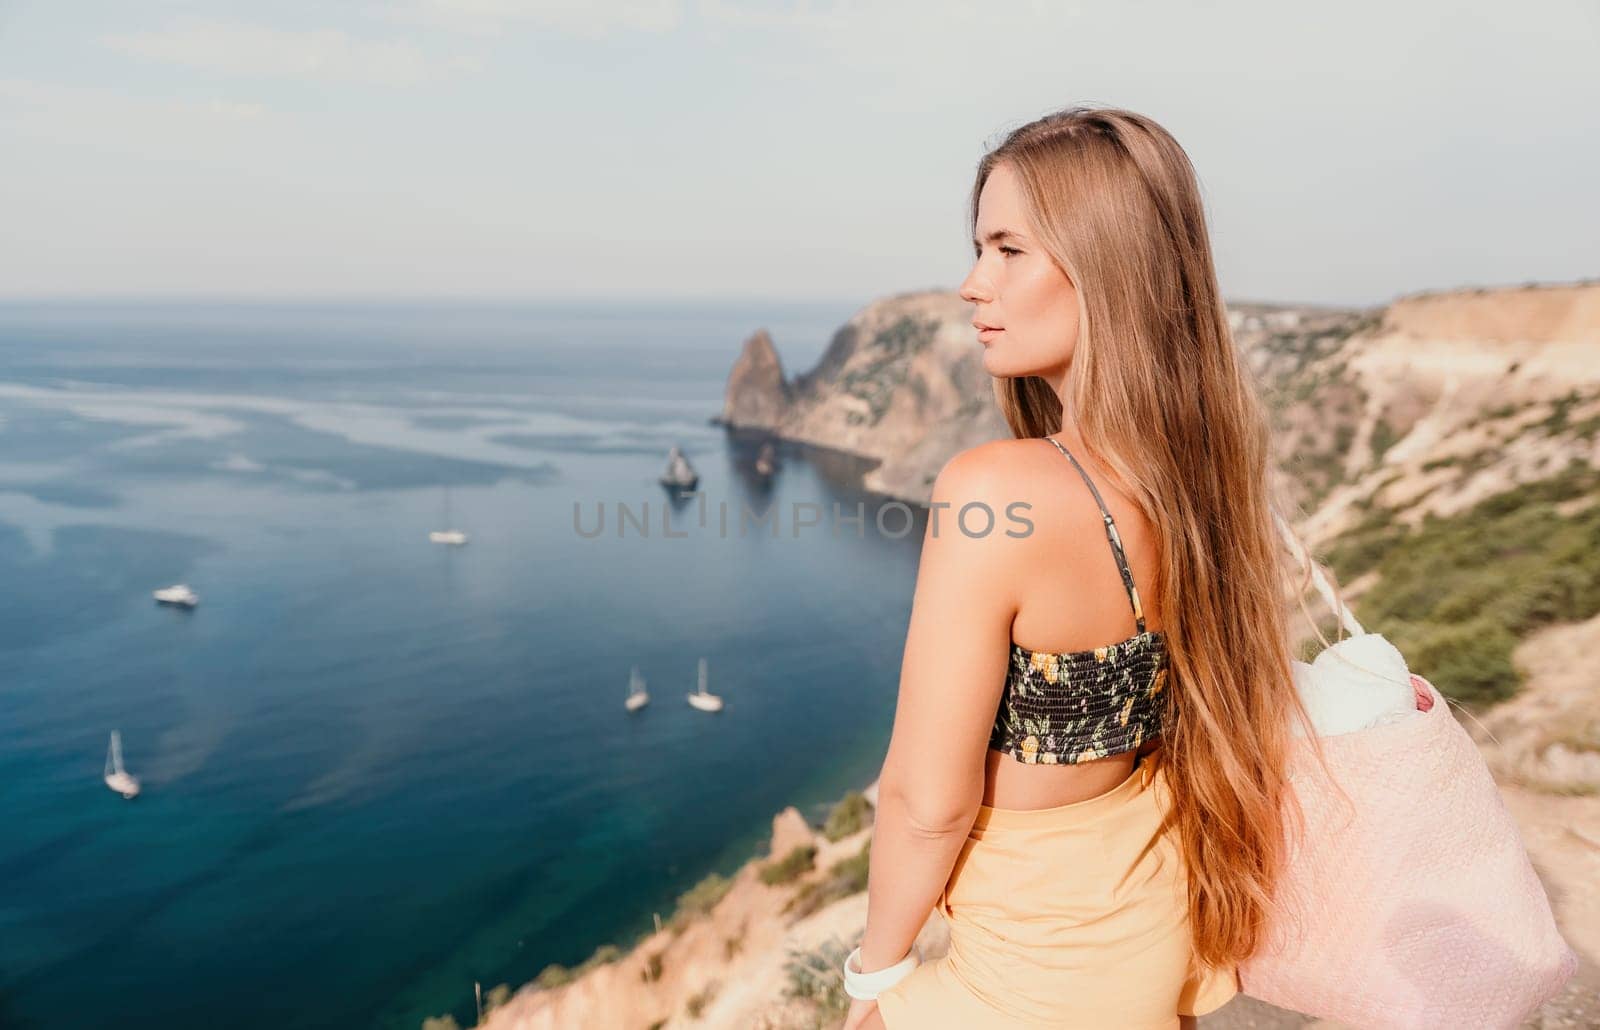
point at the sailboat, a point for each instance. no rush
(701, 699)
(680, 475)
(117, 777)
(453, 537)
(638, 696)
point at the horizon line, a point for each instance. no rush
(354, 298)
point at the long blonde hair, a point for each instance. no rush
(1161, 397)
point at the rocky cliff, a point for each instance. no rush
(1434, 403)
(900, 382)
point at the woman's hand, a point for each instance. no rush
(863, 1015)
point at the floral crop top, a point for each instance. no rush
(1068, 707)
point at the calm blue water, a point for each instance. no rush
(376, 769)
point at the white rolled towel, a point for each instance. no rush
(1355, 683)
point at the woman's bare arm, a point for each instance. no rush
(951, 677)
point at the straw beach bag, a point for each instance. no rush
(1410, 901)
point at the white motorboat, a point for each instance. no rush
(701, 699)
(638, 696)
(452, 537)
(766, 461)
(117, 777)
(178, 595)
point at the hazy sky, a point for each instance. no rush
(563, 149)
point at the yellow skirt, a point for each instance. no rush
(1067, 917)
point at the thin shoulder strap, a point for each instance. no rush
(1111, 534)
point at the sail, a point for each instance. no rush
(114, 754)
(678, 468)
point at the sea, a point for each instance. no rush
(377, 770)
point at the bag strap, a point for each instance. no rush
(1318, 580)
(1349, 620)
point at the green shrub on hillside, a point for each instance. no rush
(700, 899)
(498, 995)
(817, 976)
(1471, 661)
(1560, 411)
(847, 817)
(557, 975)
(801, 859)
(731, 946)
(553, 975)
(1360, 548)
(602, 955)
(1455, 594)
(698, 1001)
(845, 877)
(1383, 438)
(1319, 471)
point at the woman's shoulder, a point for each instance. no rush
(984, 469)
(1028, 471)
(993, 491)
(1028, 480)
(976, 546)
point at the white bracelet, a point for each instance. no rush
(865, 986)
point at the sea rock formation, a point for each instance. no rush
(757, 394)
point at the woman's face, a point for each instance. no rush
(1027, 301)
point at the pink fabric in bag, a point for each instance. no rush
(1418, 907)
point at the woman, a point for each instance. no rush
(1087, 770)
